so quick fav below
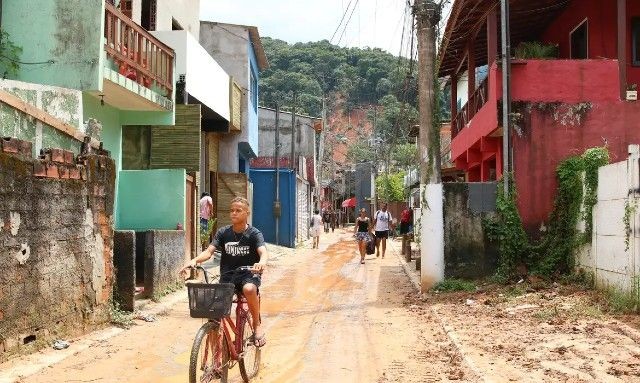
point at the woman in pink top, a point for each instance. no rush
(206, 208)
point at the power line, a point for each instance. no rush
(342, 19)
(348, 20)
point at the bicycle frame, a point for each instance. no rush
(230, 328)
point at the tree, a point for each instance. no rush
(390, 187)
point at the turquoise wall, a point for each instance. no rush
(252, 113)
(66, 36)
(151, 199)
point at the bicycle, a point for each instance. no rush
(221, 342)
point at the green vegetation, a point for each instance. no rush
(119, 317)
(359, 76)
(206, 234)
(536, 50)
(553, 254)
(390, 187)
(9, 56)
(452, 284)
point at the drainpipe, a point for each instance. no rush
(506, 91)
(276, 204)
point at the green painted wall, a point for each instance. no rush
(66, 36)
(130, 117)
(61, 103)
(151, 199)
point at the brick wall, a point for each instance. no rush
(56, 241)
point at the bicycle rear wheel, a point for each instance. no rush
(209, 360)
(250, 362)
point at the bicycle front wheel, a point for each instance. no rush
(250, 362)
(209, 360)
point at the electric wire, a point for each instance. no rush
(341, 20)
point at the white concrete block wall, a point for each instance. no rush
(608, 259)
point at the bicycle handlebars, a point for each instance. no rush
(241, 268)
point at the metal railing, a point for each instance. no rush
(139, 56)
(474, 104)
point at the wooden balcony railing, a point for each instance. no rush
(474, 104)
(139, 56)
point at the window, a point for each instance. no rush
(635, 40)
(148, 16)
(175, 25)
(580, 41)
(253, 89)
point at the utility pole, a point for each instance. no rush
(293, 132)
(276, 204)
(427, 15)
(506, 91)
(320, 159)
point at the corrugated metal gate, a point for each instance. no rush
(302, 210)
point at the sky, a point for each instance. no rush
(373, 23)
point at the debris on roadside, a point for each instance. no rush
(145, 317)
(60, 344)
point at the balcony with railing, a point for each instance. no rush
(137, 62)
(476, 101)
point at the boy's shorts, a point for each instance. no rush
(241, 278)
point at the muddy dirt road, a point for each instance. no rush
(328, 319)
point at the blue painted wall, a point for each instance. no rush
(264, 193)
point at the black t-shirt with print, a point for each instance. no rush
(237, 249)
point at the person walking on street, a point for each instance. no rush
(316, 228)
(325, 220)
(333, 220)
(362, 233)
(382, 222)
(206, 208)
(406, 219)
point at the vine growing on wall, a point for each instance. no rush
(563, 113)
(9, 56)
(629, 210)
(553, 254)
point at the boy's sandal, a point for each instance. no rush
(259, 341)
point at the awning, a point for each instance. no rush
(351, 202)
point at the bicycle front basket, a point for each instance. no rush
(212, 301)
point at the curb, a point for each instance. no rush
(449, 331)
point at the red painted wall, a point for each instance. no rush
(546, 142)
(602, 19)
(569, 81)
(602, 16)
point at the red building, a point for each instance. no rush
(561, 106)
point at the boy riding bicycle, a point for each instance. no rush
(240, 245)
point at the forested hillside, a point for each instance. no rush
(359, 76)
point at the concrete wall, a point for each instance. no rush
(305, 134)
(230, 46)
(364, 188)
(467, 251)
(56, 247)
(65, 35)
(124, 263)
(64, 104)
(151, 199)
(164, 256)
(206, 80)
(609, 260)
